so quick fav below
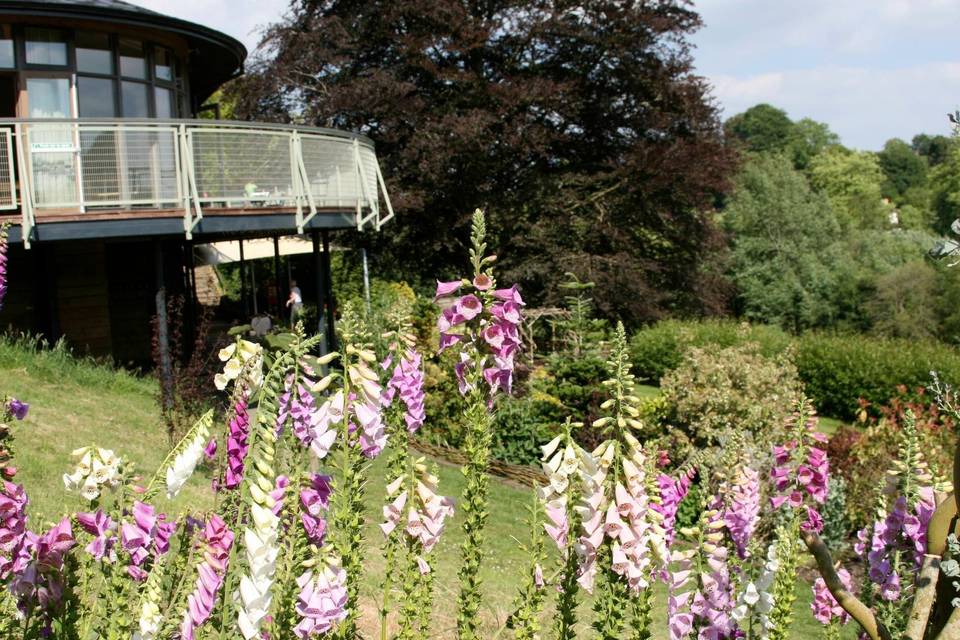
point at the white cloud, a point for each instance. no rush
(871, 69)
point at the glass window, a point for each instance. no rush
(46, 46)
(132, 62)
(164, 98)
(93, 53)
(96, 97)
(7, 60)
(163, 64)
(48, 97)
(134, 96)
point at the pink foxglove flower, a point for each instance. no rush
(422, 515)
(13, 529)
(801, 471)
(367, 408)
(237, 444)
(146, 535)
(713, 601)
(315, 500)
(825, 608)
(635, 530)
(407, 383)
(562, 466)
(680, 596)
(217, 541)
(40, 584)
(489, 319)
(742, 509)
(322, 602)
(103, 529)
(672, 493)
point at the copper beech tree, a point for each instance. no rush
(582, 123)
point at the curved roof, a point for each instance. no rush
(215, 57)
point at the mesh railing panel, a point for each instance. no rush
(331, 171)
(8, 199)
(52, 149)
(243, 167)
(124, 166)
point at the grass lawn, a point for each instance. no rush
(75, 404)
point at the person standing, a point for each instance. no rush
(295, 302)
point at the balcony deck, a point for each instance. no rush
(73, 179)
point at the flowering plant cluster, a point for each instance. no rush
(282, 553)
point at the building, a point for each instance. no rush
(109, 175)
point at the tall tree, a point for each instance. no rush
(762, 127)
(852, 181)
(809, 138)
(786, 261)
(934, 148)
(903, 167)
(580, 125)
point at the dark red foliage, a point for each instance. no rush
(580, 125)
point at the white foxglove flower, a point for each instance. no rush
(97, 468)
(186, 461)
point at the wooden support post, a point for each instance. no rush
(163, 330)
(328, 290)
(244, 302)
(276, 276)
(320, 293)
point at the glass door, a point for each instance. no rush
(53, 146)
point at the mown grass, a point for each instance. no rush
(76, 402)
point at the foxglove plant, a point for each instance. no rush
(755, 599)
(481, 323)
(826, 610)
(217, 541)
(187, 459)
(528, 605)
(561, 462)
(894, 545)
(623, 536)
(415, 515)
(323, 601)
(104, 531)
(713, 601)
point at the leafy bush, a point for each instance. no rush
(717, 390)
(839, 370)
(660, 348)
(520, 426)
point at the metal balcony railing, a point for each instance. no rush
(80, 166)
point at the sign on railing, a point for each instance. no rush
(80, 166)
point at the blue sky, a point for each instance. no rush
(872, 70)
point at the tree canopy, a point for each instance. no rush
(579, 125)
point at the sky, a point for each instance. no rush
(871, 69)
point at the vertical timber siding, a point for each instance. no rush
(81, 295)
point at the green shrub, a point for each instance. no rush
(839, 370)
(521, 425)
(716, 391)
(660, 348)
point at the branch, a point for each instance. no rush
(923, 600)
(951, 631)
(857, 610)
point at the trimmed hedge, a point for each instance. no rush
(837, 370)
